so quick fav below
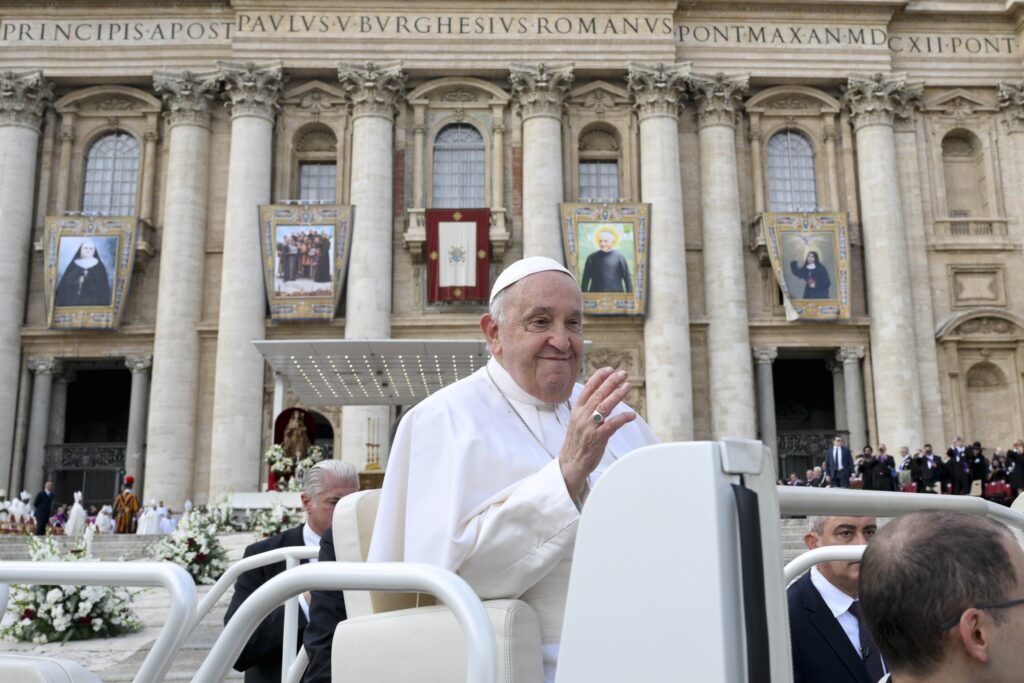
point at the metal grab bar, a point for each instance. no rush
(801, 563)
(149, 574)
(481, 648)
(298, 667)
(796, 500)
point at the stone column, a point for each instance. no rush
(873, 103)
(58, 407)
(1011, 106)
(135, 447)
(43, 370)
(171, 425)
(540, 91)
(853, 385)
(764, 356)
(148, 171)
(656, 96)
(23, 99)
(725, 294)
(835, 366)
(374, 91)
(252, 92)
(279, 390)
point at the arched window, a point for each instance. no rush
(111, 176)
(459, 168)
(599, 166)
(963, 168)
(316, 153)
(791, 183)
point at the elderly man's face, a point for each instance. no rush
(605, 241)
(320, 508)
(842, 531)
(540, 341)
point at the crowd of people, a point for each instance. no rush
(304, 255)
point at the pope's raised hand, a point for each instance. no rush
(585, 439)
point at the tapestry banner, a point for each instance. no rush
(458, 255)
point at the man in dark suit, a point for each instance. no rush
(43, 505)
(838, 463)
(932, 471)
(958, 467)
(326, 610)
(829, 644)
(1015, 465)
(324, 485)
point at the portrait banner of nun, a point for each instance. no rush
(88, 264)
(305, 257)
(606, 248)
(810, 255)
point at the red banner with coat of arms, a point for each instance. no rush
(458, 254)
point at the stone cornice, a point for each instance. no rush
(252, 89)
(880, 99)
(1011, 104)
(718, 98)
(23, 98)
(657, 90)
(540, 89)
(187, 96)
(373, 89)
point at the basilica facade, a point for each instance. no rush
(907, 118)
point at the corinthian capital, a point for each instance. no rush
(251, 89)
(23, 98)
(1011, 104)
(44, 365)
(657, 90)
(188, 96)
(138, 364)
(880, 99)
(765, 354)
(849, 354)
(540, 89)
(718, 98)
(373, 89)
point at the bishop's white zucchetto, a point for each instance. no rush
(523, 268)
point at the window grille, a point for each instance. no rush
(459, 168)
(318, 181)
(791, 182)
(599, 181)
(111, 176)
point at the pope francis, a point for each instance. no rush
(487, 476)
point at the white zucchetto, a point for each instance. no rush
(523, 268)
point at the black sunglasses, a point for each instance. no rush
(950, 623)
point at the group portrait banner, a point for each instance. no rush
(305, 258)
(87, 263)
(810, 255)
(458, 254)
(606, 249)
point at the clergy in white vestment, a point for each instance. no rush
(76, 518)
(487, 477)
(104, 522)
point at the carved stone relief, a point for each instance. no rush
(984, 375)
(985, 326)
(619, 359)
(977, 286)
(317, 141)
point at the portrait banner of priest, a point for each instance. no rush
(458, 254)
(88, 263)
(810, 255)
(305, 258)
(606, 248)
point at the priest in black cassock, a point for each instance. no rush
(606, 270)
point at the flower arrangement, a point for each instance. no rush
(222, 514)
(194, 547)
(274, 520)
(45, 614)
(290, 471)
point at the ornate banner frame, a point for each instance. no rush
(792, 239)
(301, 283)
(614, 283)
(87, 265)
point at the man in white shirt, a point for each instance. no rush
(487, 477)
(829, 639)
(324, 485)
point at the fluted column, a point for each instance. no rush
(58, 407)
(135, 446)
(23, 99)
(252, 92)
(540, 91)
(856, 417)
(171, 425)
(374, 91)
(725, 294)
(873, 103)
(835, 367)
(1011, 105)
(656, 93)
(43, 370)
(764, 357)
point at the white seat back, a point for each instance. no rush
(35, 669)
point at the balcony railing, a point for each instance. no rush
(969, 226)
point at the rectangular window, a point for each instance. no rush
(599, 181)
(318, 181)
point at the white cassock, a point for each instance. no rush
(468, 489)
(76, 520)
(149, 523)
(104, 523)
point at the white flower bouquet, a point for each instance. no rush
(193, 545)
(46, 614)
(274, 520)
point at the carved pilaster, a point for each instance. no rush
(850, 354)
(252, 89)
(1011, 104)
(880, 99)
(765, 354)
(138, 364)
(373, 89)
(23, 98)
(718, 98)
(188, 96)
(540, 89)
(657, 90)
(44, 365)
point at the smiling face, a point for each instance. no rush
(539, 340)
(605, 241)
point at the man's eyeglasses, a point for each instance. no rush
(950, 623)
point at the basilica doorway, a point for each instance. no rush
(805, 411)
